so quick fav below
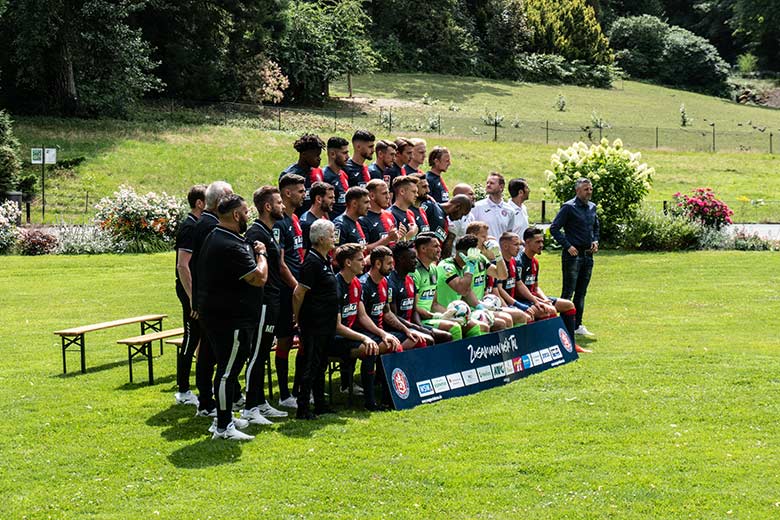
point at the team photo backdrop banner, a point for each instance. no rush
(471, 365)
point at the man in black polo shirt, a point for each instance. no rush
(348, 229)
(405, 191)
(309, 148)
(315, 307)
(579, 241)
(439, 161)
(362, 151)
(197, 201)
(269, 206)
(334, 174)
(322, 199)
(229, 270)
(385, 157)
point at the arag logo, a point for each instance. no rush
(400, 383)
(565, 341)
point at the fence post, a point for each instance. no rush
(544, 211)
(495, 127)
(656, 137)
(381, 112)
(600, 137)
(86, 202)
(391, 120)
(352, 115)
(770, 142)
(666, 207)
(439, 115)
(335, 116)
(27, 207)
(279, 118)
(713, 137)
(547, 132)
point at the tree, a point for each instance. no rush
(758, 22)
(10, 166)
(639, 44)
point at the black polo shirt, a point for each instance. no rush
(437, 218)
(307, 219)
(340, 184)
(438, 190)
(377, 225)
(374, 298)
(184, 237)
(348, 231)
(290, 239)
(223, 297)
(357, 174)
(262, 233)
(312, 175)
(206, 223)
(321, 302)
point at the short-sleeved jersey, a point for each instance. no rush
(223, 296)
(529, 273)
(437, 219)
(184, 237)
(205, 225)
(321, 301)
(357, 174)
(391, 173)
(425, 285)
(312, 175)
(350, 295)
(348, 231)
(513, 278)
(448, 269)
(401, 292)
(340, 184)
(376, 171)
(438, 190)
(408, 170)
(374, 298)
(289, 235)
(406, 218)
(306, 220)
(260, 232)
(421, 219)
(377, 225)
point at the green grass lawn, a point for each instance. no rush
(674, 415)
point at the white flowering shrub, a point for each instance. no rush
(620, 181)
(9, 212)
(147, 223)
(87, 240)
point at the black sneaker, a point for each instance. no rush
(305, 415)
(324, 410)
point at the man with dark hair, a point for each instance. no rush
(439, 161)
(379, 224)
(420, 217)
(529, 291)
(439, 216)
(309, 148)
(197, 201)
(402, 293)
(416, 157)
(362, 151)
(579, 241)
(493, 210)
(334, 174)
(403, 155)
(348, 229)
(268, 202)
(519, 191)
(322, 198)
(385, 158)
(507, 289)
(289, 235)
(405, 191)
(375, 293)
(229, 270)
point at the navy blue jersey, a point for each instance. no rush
(262, 233)
(374, 298)
(311, 175)
(407, 218)
(357, 174)
(377, 225)
(288, 234)
(348, 231)
(391, 173)
(307, 219)
(421, 219)
(401, 293)
(376, 172)
(438, 190)
(340, 184)
(437, 218)
(350, 295)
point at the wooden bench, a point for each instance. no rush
(142, 346)
(75, 336)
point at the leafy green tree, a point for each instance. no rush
(758, 22)
(639, 44)
(691, 61)
(10, 166)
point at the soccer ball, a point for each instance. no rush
(460, 310)
(492, 302)
(485, 316)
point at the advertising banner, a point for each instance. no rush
(471, 365)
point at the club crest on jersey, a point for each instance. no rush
(565, 341)
(276, 235)
(400, 383)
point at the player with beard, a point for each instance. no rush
(405, 191)
(379, 224)
(348, 229)
(362, 151)
(322, 199)
(402, 293)
(268, 202)
(420, 217)
(403, 155)
(309, 148)
(334, 174)
(439, 161)
(289, 235)
(507, 289)
(385, 157)
(497, 214)
(229, 274)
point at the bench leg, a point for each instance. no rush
(156, 326)
(130, 361)
(83, 357)
(79, 342)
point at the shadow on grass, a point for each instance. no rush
(207, 453)
(300, 429)
(141, 380)
(90, 370)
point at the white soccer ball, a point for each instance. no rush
(485, 316)
(460, 310)
(492, 302)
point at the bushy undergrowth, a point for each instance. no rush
(651, 230)
(9, 212)
(34, 242)
(87, 240)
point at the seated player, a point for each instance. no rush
(402, 294)
(375, 300)
(529, 291)
(507, 289)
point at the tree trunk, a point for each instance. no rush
(65, 97)
(349, 84)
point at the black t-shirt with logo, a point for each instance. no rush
(321, 302)
(348, 231)
(262, 233)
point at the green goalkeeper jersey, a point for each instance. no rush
(425, 281)
(448, 269)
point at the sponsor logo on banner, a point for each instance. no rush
(400, 383)
(470, 377)
(556, 352)
(425, 388)
(455, 380)
(565, 341)
(546, 356)
(506, 346)
(484, 373)
(498, 370)
(440, 384)
(527, 363)
(518, 364)
(509, 368)
(536, 358)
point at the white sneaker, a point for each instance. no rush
(269, 411)
(290, 402)
(356, 389)
(231, 433)
(186, 398)
(582, 331)
(206, 413)
(238, 405)
(241, 424)
(254, 416)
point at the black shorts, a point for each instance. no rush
(284, 322)
(343, 347)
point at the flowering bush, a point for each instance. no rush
(146, 222)
(33, 242)
(703, 207)
(87, 240)
(9, 212)
(620, 181)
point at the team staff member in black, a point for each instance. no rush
(197, 201)
(204, 367)
(309, 148)
(229, 270)
(269, 206)
(315, 308)
(579, 241)
(362, 151)
(348, 228)
(322, 199)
